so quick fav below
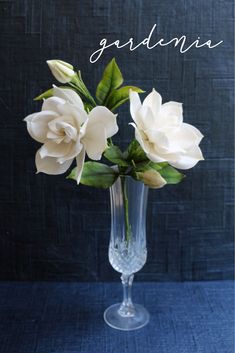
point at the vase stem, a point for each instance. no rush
(127, 308)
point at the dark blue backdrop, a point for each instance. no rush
(49, 228)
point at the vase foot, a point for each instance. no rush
(115, 320)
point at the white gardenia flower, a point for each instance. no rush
(61, 70)
(68, 132)
(161, 132)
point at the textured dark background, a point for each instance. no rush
(49, 228)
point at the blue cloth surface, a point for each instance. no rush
(194, 317)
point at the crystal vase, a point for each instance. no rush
(127, 249)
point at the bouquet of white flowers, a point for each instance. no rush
(74, 125)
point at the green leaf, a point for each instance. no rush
(158, 166)
(115, 155)
(120, 96)
(171, 175)
(88, 107)
(46, 94)
(135, 152)
(96, 174)
(111, 79)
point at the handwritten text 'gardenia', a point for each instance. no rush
(181, 42)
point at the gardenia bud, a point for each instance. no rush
(61, 70)
(152, 178)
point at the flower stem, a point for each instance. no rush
(126, 210)
(80, 86)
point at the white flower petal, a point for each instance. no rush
(68, 110)
(102, 116)
(56, 125)
(185, 136)
(74, 152)
(189, 159)
(68, 95)
(95, 141)
(171, 114)
(52, 149)
(54, 136)
(80, 162)
(147, 147)
(153, 101)
(141, 138)
(70, 131)
(49, 165)
(198, 135)
(37, 124)
(145, 118)
(52, 104)
(158, 139)
(135, 105)
(154, 157)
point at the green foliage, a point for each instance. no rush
(44, 95)
(96, 174)
(133, 161)
(135, 152)
(171, 175)
(88, 107)
(109, 92)
(115, 155)
(119, 96)
(111, 79)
